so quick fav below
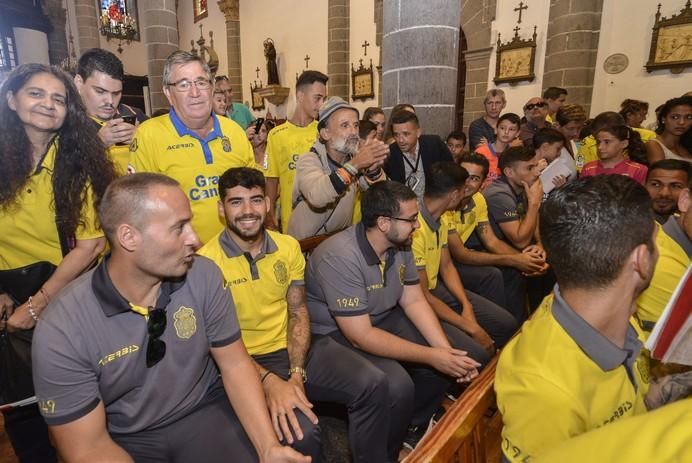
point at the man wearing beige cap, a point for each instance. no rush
(329, 176)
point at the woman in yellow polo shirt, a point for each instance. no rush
(53, 169)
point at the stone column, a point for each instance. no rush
(57, 38)
(160, 32)
(476, 19)
(419, 59)
(338, 48)
(572, 44)
(231, 10)
(87, 24)
(379, 13)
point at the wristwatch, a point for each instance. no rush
(300, 371)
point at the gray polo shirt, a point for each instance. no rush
(504, 205)
(345, 277)
(90, 347)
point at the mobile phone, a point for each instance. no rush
(130, 118)
(258, 124)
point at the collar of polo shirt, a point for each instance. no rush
(113, 303)
(429, 219)
(604, 353)
(231, 249)
(371, 257)
(183, 130)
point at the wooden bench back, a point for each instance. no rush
(460, 435)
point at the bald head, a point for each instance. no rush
(128, 199)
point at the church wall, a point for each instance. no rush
(215, 21)
(32, 46)
(504, 23)
(628, 30)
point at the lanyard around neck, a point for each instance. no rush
(413, 169)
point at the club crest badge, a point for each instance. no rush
(226, 144)
(402, 272)
(280, 272)
(185, 322)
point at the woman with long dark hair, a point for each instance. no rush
(674, 120)
(54, 171)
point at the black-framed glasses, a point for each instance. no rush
(411, 220)
(156, 325)
(532, 106)
(185, 85)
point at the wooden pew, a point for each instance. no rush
(307, 245)
(460, 435)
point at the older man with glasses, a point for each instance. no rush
(191, 144)
(535, 111)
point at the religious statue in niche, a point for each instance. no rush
(671, 41)
(272, 69)
(118, 19)
(200, 9)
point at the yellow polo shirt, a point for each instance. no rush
(662, 435)
(164, 145)
(259, 286)
(464, 221)
(285, 144)
(119, 154)
(560, 378)
(29, 234)
(670, 268)
(427, 245)
(588, 149)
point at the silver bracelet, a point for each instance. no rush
(32, 312)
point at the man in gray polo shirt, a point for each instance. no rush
(362, 291)
(139, 358)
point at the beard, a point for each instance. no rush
(400, 240)
(245, 234)
(348, 146)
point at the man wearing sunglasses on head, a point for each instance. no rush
(141, 359)
(535, 111)
(191, 144)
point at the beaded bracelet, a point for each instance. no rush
(351, 169)
(31, 309)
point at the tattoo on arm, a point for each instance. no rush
(298, 326)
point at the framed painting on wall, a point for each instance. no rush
(515, 59)
(200, 9)
(671, 41)
(257, 100)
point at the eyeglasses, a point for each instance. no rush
(156, 325)
(411, 220)
(185, 85)
(531, 106)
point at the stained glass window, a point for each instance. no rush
(118, 18)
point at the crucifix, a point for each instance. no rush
(516, 31)
(365, 46)
(307, 60)
(519, 9)
(257, 71)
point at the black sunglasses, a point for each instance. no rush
(531, 106)
(156, 325)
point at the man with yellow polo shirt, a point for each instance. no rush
(191, 144)
(99, 81)
(264, 270)
(674, 241)
(486, 322)
(575, 366)
(487, 265)
(288, 141)
(588, 149)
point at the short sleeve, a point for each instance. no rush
(443, 233)
(343, 287)
(418, 248)
(481, 209)
(89, 228)
(220, 318)
(451, 220)
(273, 161)
(65, 382)
(142, 152)
(296, 265)
(410, 270)
(247, 157)
(502, 207)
